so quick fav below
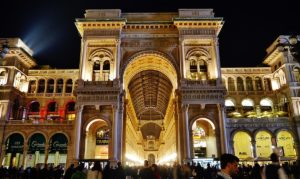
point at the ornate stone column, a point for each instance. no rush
(77, 132)
(115, 133)
(223, 131)
(187, 150)
(25, 148)
(182, 59)
(216, 41)
(118, 58)
(178, 132)
(120, 130)
(47, 146)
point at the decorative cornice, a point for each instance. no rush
(87, 25)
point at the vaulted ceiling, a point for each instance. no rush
(150, 92)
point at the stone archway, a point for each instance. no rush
(204, 139)
(97, 140)
(150, 79)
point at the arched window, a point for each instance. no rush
(14, 146)
(263, 144)
(203, 70)
(3, 77)
(203, 66)
(258, 84)
(34, 107)
(36, 150)
(32, 86)
(248, 106)
(106, 70)
(106, 65)
(229, 106)
(231, 86)
(242, 145)
(58, 149)
(193, 66)
(69, 86)
(268, 84)
(52, 107)
(240, 84)
(266, 104)
(16, 111)
(286, 141)
(96, 70)
(59, 85)
(2, 73)
(50, 86)
(249, 84)
(96, 65)
(70, 111)
(41, 86)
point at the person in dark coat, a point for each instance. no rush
(120, 172)
(146, 172)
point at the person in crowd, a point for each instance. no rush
(120, 172)
(255, 172)
(176, 171)
(79, 174)
(155, 171)
(274, 170)
(107, 172)
(229, 166)
(146, 172)
(96, 172)
(69, 172)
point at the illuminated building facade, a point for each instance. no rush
(149, 86)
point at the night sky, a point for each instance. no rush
(47, 26)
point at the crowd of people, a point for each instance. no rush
(229, 168)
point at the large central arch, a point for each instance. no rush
(149, 77)
(150, 60)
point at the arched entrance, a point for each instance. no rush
(97, 140)
(204, 139)
(36, 150)
(263, 144)
(58, 145)
(285, 140)
(242, 145)
(14, 146)
(150, 79)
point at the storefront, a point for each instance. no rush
(14, 150)
(58, 145)
(36, 150)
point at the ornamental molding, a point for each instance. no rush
(194, 32)
(258, 122)
(97, 32)
(248, 71)
(150, 43)
(141, 35)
